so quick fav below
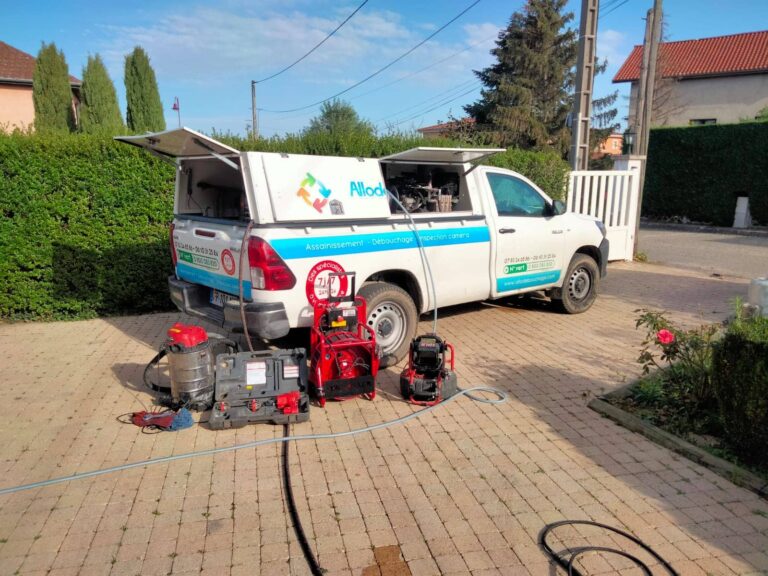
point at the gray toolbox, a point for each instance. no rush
(264, 386)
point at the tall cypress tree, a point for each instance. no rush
(145, 111)
(527, 91)
(52, 92)
(99, 110)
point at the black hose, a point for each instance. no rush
(314, 565)
(567, 562)
(152, 363)
(243, 248)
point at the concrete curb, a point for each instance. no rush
(729, 471)
(758, 232)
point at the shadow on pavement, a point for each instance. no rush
(589, 468)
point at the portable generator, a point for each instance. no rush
(265, 386)
(344, 358)
(427, 379)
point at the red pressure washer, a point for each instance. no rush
(344, 358)
(427, 380)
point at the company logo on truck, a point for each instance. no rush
(361, 190)
(316, 195)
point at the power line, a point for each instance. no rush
(315, 47)
(438, 105)
(461, 86)
(380, 70)
(613, 9)
(454, 54)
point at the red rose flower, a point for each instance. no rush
(665, 337)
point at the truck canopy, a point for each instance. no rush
(180, 143)
(431, 155)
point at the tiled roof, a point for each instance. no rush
(719, 56)
(18, 66)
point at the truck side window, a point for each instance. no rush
(514, 197)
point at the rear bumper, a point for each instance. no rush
(266, 320)
(603, 257)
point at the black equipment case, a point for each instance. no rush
(264, 386)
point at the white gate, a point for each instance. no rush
(611, 196)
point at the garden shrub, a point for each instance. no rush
(697, 172)
(740, 378)
(84, 230)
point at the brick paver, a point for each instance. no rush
(465, 490)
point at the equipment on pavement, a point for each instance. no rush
(267, 386)
(427, 379)
(344, 358)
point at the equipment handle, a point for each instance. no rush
(350, 297)
(453, 354)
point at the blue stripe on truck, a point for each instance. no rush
(227, 284)
(526, 281)
(290, 248)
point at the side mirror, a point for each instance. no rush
(558, 207)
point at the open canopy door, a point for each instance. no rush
(180, 143)
(429, 155)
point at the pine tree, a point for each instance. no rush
(99, 110)
(52, 92)
(527, 91)
(145, 111)
(603, 121)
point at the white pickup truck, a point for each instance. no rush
(488, 233)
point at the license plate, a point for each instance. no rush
(219, 298)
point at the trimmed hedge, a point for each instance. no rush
(740, 378)
(85, 219)
(697, 172)
(84, 229)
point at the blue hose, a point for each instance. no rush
(501, 397)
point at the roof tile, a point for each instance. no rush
(721, 55)
(18, 65)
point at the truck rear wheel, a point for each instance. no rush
(582, 281)
(393, 318)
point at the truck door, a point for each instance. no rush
(529, 240)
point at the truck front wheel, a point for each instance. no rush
(582, 281)
(393, 318)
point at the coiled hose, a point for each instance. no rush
(567, 562)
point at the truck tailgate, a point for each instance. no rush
(208, 253)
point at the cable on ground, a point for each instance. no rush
(314, 565)
(567, 560)
(500, 394)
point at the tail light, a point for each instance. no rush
(268, 270)
(174, 257)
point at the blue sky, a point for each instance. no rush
(206, 53)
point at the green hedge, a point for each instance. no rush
(85, 219)
(740, 378)
(697, 172)
(84, 227)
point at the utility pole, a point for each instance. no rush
(254, 112)
(640, 95)
(585, 76)
(644, 114)
(650, 87)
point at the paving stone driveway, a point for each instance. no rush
(465, 490)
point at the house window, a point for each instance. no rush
(702, 121)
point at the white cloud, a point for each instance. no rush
(613, 46)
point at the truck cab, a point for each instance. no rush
(256, 236)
